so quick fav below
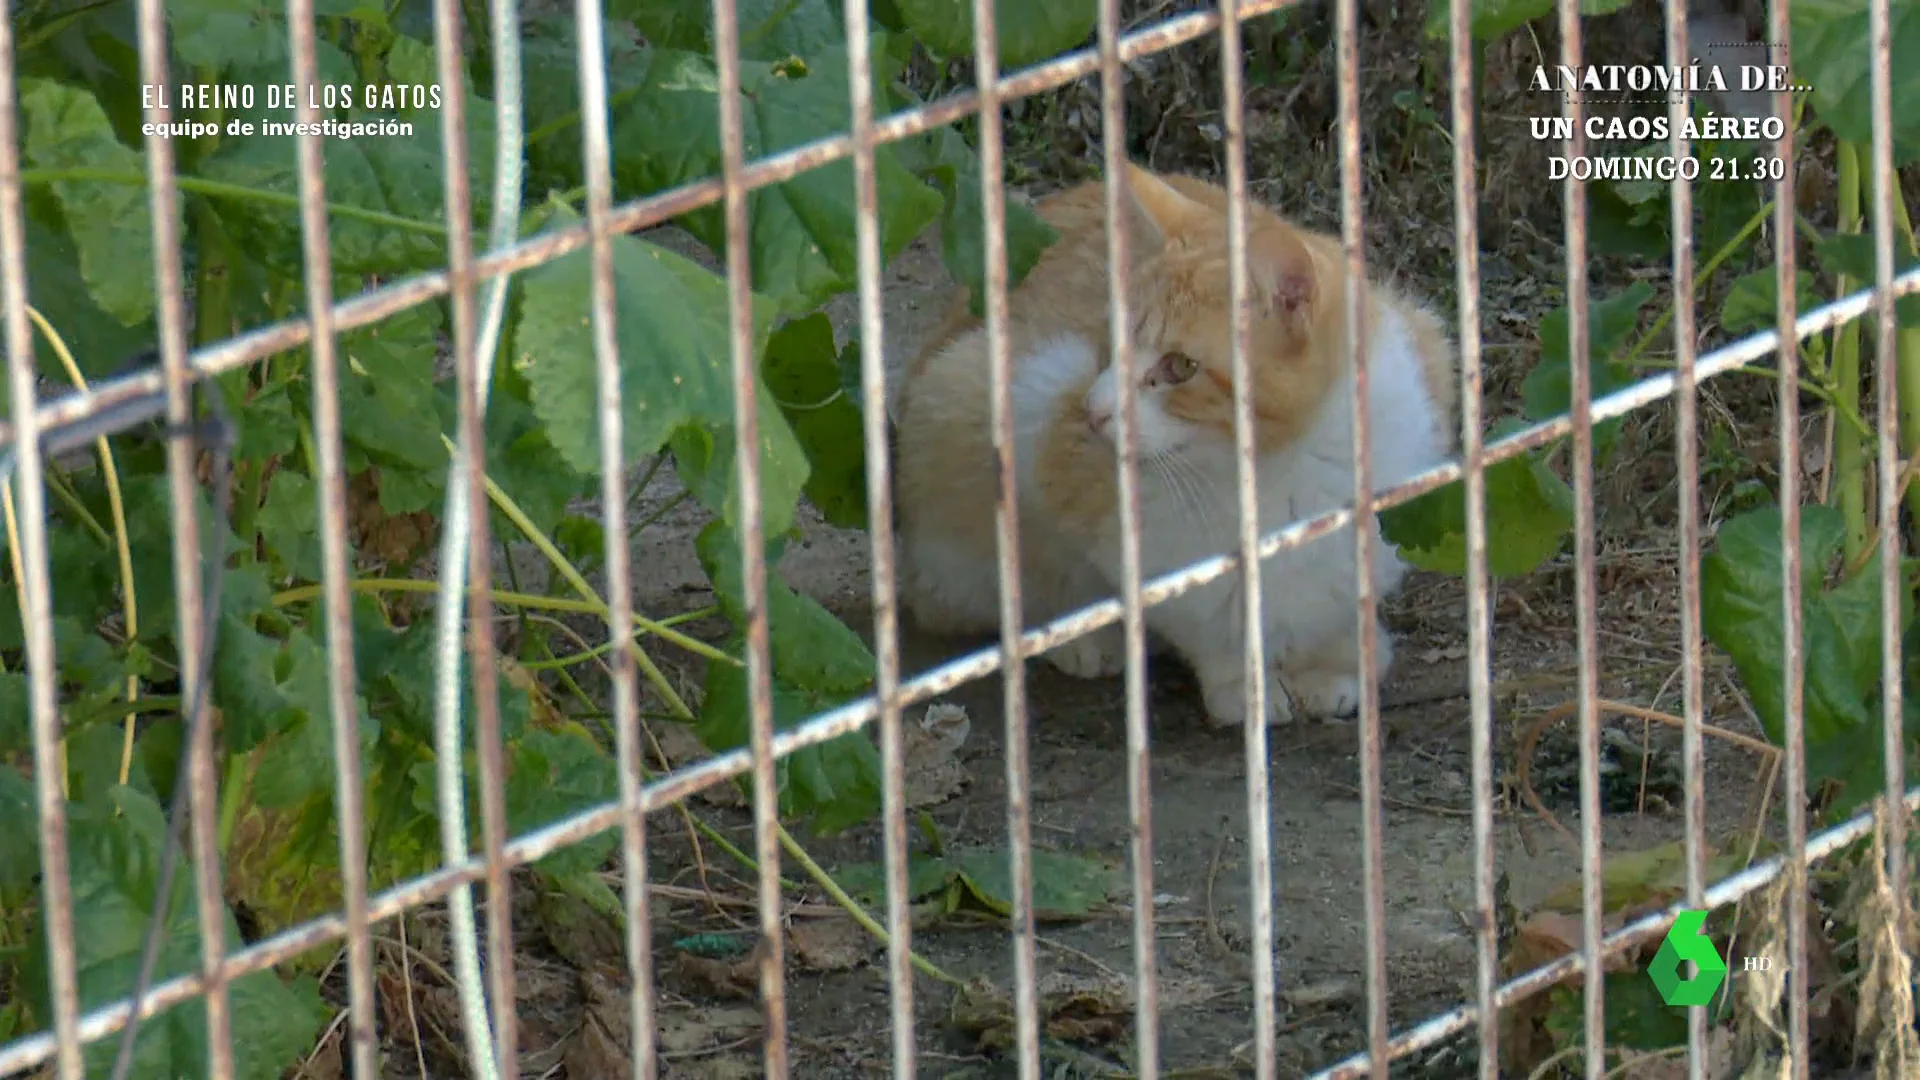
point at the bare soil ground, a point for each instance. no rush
(574, 1007)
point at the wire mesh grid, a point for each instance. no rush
(40, 428)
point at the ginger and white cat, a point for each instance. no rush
(1064, 397)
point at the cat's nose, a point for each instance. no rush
(1098, 418)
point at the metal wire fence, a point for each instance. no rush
(41, 427)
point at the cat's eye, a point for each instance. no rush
(1175, 368)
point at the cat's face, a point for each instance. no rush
(1182, 334)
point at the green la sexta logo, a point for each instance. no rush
(1686, 942)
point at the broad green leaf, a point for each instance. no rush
(110, 223)
(289, 521)
(56, 288)
(115, 854)
(1547, 390)
(675, 353)
(523, 461)
(836, 784)
(802, 231)
(867, 882)
(1741, 613)
(1752, 302)
(387, 396)
(550, 61)
(793, 109)
(555, 774)
(290, 771)
(1493, 18)
(15, 733)
(271, 231)
(1852, 255)
(705, 459)
(1830, 50)
(1065, 885)
(802, 371)
(1029, 32)
(668, 24)
(1529, 515)
(963, 234)
(266, 424)
(19, 806)
(811, 648)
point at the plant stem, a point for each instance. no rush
(1849, 448)
(825, 881)
(1700, 279)
(216, 189)
(1907, 364)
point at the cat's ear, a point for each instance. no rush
(1153, 208)
(1284, 275)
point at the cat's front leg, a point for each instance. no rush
(1205, 627)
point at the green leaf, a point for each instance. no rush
(553, 775)
(66, 129)
(802, 370)
(289, 521)
(1752, 301)
(1529, 515)
(795, 110)
(19, 808)
(114, 867)
(295, 763)
(15, 730)
(836, 783)
(1742, 602)
(1066, 886)
(811, 648)
(801, 232)
(1029, 32)
(676, 358)
(963, 234)
(1547, 390)
(1830, 50)
(1852, 255)
(388, 401)
(668, 24)
(550, 61)
(1494, 18)
(704, 458)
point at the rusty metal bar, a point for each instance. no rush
(1786, 275)
(993, 202)
(1687, 465)
(1586, 602)
(1253, 617)
(336, 568)
(1886, 188)
(1365, 537)
(28, 520)
(880, 533)
(1139, 768)
(183, 490)
(753, 555)
(597, 163)
(1466, 244)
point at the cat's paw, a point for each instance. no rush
(1225, 697)
(1325, 693)
(1099, 655)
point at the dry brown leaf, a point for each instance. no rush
(929, 748)
(831, 943)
